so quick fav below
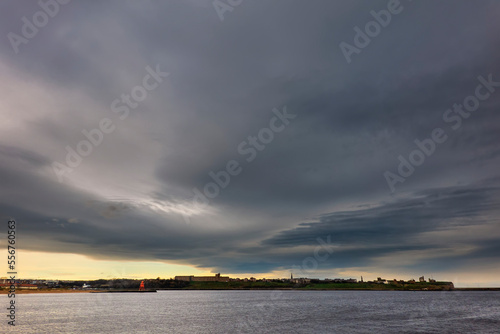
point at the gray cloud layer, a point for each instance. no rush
(322, 175)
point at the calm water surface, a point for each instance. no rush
(259, 312)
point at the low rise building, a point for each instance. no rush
(19, 286)
(301, 280)
(27, 286)
(192, 278)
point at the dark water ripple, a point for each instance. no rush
(259, 312)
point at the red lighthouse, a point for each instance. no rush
(141, 287)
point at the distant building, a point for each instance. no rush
(216, 278)
(183, 278)
(19, 286)
(343, 280)
(27, 286)
(432, 280)
(421, 279)
(301, 280)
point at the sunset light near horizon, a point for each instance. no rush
(342, 139)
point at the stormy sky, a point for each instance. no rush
(382, 147)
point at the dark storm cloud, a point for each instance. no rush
(431, 210)
(23, 156)
(360, 236)
(127, 198)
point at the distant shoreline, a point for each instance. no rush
(235, 289)
(30, 291)
(477, 289)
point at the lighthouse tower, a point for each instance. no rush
(141, 287)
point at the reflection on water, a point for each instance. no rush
(259, 312)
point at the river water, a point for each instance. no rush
(258, 312)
